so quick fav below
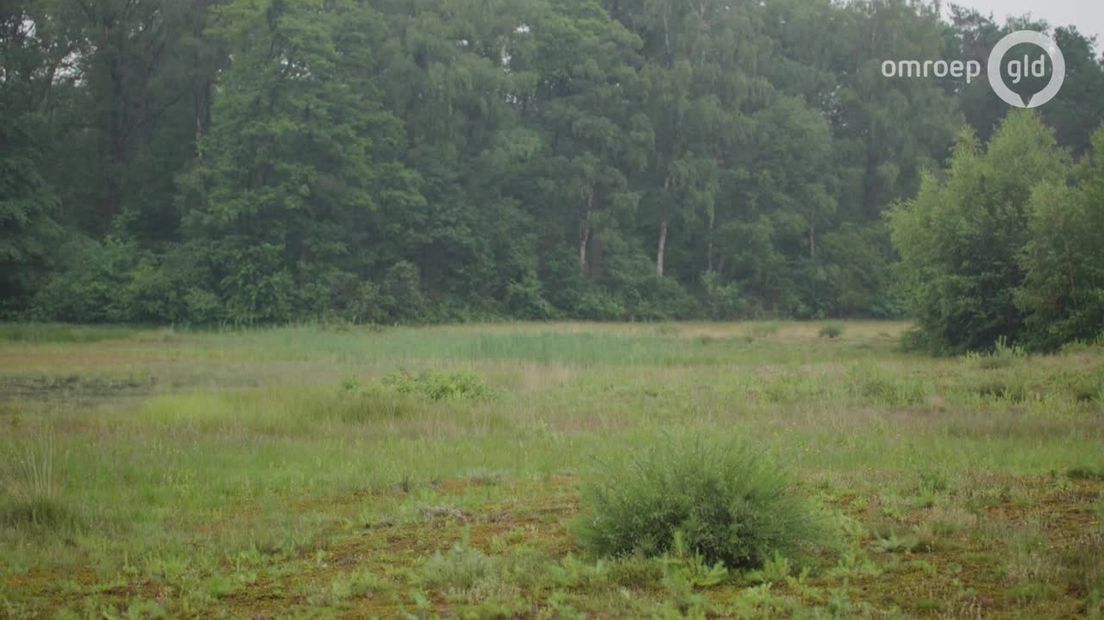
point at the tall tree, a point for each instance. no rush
(960, 241)
(33, 59)
(1063, 289)
(298, 161)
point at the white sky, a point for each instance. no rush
(1087, 15)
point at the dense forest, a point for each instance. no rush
(264, 161)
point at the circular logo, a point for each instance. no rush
(1057, 62)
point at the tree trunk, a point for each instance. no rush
(584, 239)
(661, 253)
(201, 92)
(584, 234)
(709, 241)
(664, 228)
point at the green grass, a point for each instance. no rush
(726, 502)
(40, 333)
(318, 470)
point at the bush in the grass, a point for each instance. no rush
(439, 385)
(832, 330)
(727, 503)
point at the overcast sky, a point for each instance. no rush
(1087, 15)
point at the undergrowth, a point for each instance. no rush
(724, 502)
(439, 385)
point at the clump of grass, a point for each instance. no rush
(832, 330)
(894, 393)
(461, 568)
(31, 491)
(793, 388)
(357, 403)
(1086, 473)
(356, 585)
(1082, 388)
(726, 503)
(439, 385)
(1003, 355)
(1010, 389)
(870, 382)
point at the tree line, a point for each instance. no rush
(266, 161)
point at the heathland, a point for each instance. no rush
(334, 470)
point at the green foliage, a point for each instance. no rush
(724, 503)
(723, 301)
(526, 300)
(1063, 291)
(961, 240)
(98, 286)
(1005, 250)
(857, 272)
(831, 330)
(439, 385)
(29, 203)
(257, 162)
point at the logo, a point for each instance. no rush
(1019, 69)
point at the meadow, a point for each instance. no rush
(420, 472)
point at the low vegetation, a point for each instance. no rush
(725, 502)
(557, 471)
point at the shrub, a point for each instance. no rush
(439, 385)
(832, 330)
(90, 286)
(598, 305)
(525, 299)
(723, 301)
(726, 503)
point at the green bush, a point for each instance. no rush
(439, 385)
(832, 330)
(525, 299)
(726, 503)
(724, 301)
(90, 286)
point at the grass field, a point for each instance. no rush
(437, 471)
